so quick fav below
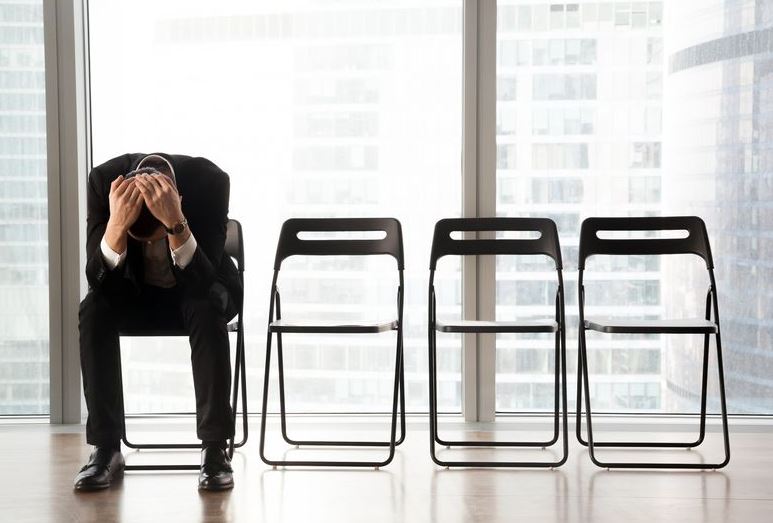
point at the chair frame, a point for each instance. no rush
(547, 244)
(234, 247)
(291, 245)
(697, 243)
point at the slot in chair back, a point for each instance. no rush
(290, 243)
(696, 241)
(547, 243)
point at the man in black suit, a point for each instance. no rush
(156, 229)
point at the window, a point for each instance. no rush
(582, 162)
(342, 108)
(330, 110)
(24, 358)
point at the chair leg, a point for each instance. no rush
(329, 443)
(240, 368)
(240, 374)
(245, 410)
(662, 465)
(334, 463)
(234, 396)
(264, 406)
(560, 371)
(651, 444)
(723, 403)
(149, 446)
(282, 408)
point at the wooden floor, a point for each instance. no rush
(39, 463)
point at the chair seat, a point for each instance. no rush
(331, 327)
(637, 326)
(497, 326)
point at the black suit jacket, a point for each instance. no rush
(205, 191)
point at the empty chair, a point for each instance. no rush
(234, 247)
(696, 242)
(546, 244)
(291, 244)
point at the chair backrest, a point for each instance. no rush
(234, 242)
(546, 244)
(290, 244)
(696, 241)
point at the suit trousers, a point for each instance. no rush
(104, 314)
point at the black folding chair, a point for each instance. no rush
(696, 242)
(234, 247)
(290, 244)
(546, 244)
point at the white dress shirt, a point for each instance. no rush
(181, 256)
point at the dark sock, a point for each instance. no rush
(223, 444)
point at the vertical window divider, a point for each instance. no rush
(479, 199)
(67, 170)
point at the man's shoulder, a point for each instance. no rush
(197, 165)
(110, 170)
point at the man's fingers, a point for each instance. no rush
(148, 189)
(136, 197)
(114, 185)
(123, 186)
(142, 187)
(158, 185)
(117, 186)
(165, 180)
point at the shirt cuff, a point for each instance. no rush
(183, 255)
(111, 258)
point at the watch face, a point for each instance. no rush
(178, 228)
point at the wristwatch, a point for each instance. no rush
(177, 228)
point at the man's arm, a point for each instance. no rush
(107, 223)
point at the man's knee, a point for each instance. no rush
(201, 311)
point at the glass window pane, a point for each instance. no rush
(24, 378)
(591, 146)
(314, 109)
(596, 145)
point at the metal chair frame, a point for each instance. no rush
(290, 244)
(547, 244)
(697, 243)
(234, 247)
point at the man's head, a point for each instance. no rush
(147, 227)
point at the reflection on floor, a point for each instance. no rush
(39, 463)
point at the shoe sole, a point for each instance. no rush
(217, 488)
(117, 476)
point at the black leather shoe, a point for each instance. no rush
(216, 472)
(103, 467)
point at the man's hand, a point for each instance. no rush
(164, 202)
(125, 206)
(162, 198)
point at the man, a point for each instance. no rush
(156, 229)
